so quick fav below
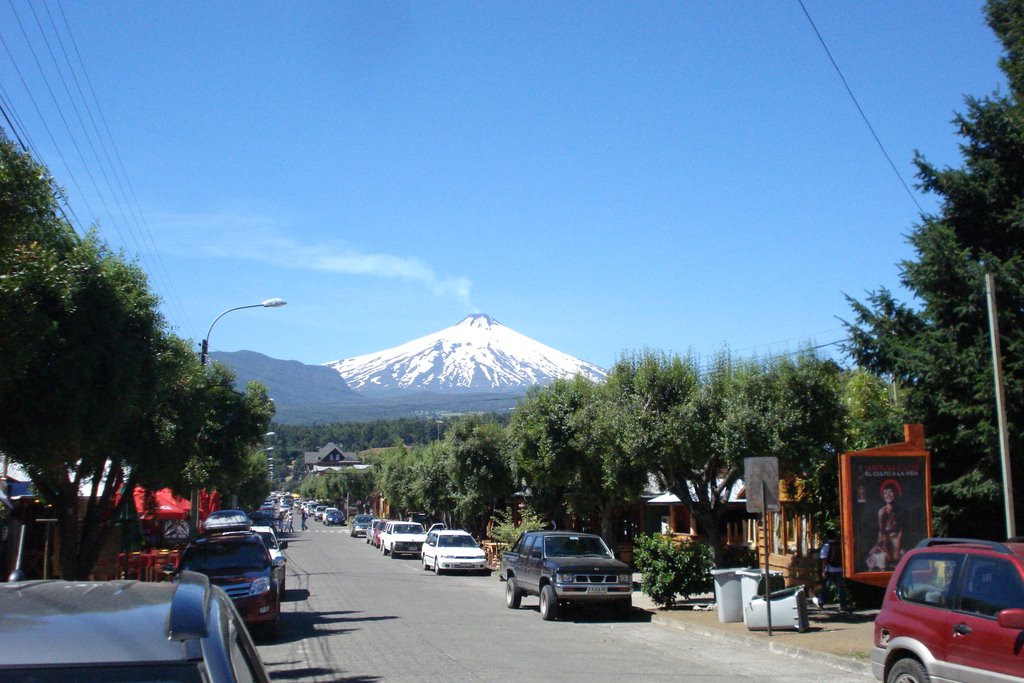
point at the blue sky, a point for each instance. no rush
(600, 176)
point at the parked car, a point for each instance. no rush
(220, 521)
(360, 524)
(333, 516)
(565, 567)
(241, 565)
(124, 631)
(401, 538)
(953, 611)
(262, 517)
(275, 547)
(373, 534)
(454, 550)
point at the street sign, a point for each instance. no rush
(761, 475)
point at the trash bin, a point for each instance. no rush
(789, 611)
(752, 584)
(728, 597)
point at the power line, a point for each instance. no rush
(863, 116)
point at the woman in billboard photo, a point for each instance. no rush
(884, 555)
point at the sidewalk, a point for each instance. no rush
(843, 640)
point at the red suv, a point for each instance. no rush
(953, 611)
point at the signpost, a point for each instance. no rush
(762, 479)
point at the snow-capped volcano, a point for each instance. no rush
(479, 353)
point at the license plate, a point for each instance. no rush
(596, 589)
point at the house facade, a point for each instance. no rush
(330, 458)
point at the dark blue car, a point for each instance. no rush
(333, 516)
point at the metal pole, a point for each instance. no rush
(767, 551)
(1004, 438)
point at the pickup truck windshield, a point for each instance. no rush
(575, 546)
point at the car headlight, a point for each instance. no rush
(566, 578)
(625, 578)
(260, 586)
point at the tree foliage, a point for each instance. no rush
(564, 451)
(695, 426)
(95, 394)
(671, 571)
(936, 347)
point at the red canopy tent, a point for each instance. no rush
(164, 504)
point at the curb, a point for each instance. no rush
(835, 661)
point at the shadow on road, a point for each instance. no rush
(319, 672)
(297, 626)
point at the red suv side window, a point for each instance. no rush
(928, 579)
(990, 585)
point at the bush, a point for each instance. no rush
(504, 529)
(671, 570)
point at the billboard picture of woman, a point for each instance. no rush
(890, 509)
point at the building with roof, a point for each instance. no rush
(330, 458)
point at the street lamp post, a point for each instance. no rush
(268, 303)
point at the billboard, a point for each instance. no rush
(886, 506)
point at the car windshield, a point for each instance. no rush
(576, 546)
(407, 529)
(458, 541)
(223, 557)
(363, 519)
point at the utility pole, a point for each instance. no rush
(1004, 437)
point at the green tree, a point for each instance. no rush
(95, 395)
(936, 348)
(482, 469)
(696, 425)
(563, 441)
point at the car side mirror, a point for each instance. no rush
(1012, 618)
(282, 544)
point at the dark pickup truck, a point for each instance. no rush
(565, 567)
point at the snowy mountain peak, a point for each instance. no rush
(481, 320)
(477, 354)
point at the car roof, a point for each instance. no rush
(56, 622)
(1014, 546)
(453, 532)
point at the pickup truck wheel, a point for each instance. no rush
(548, 603)
(513, 596)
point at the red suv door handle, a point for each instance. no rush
(962, 630)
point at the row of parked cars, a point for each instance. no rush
(438, 548)
(195, 628)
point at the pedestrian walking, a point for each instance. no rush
(303, 519)
(289, 526)
(831, 556)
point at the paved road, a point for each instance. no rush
(352, 615)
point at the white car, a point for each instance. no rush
(275, 547)
(448, 550)
(401, 538)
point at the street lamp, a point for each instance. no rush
(268, 303)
